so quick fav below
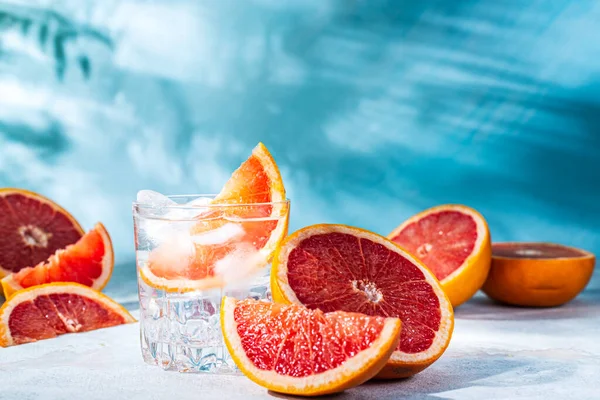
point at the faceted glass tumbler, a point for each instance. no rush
(189, 254)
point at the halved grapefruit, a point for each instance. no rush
(253, 199)
(32, 228)
(291, 349)
(338, 267)
(537, 274)
(46, 311)
(89, 262)
(453, 241)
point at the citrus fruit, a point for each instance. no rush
(46, 311)
(338, 267)
(291, 349)
(537, 274)
(453, 241)
(89, 262)
(32, 228)
(254, 200)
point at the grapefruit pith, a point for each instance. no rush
(291, 349)
(32, 228)
(537, 274)
(453, 241)
(89, 262)
(338, 267)
(46, 311)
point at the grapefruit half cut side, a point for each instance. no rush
(338, 267)
(254, 200)
(537, 274)
(453, 241)
(32, 228)
(47, 311)
(90, 262)
(291, 349)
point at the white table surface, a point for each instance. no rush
(495, 352)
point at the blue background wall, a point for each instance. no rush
(373, 109)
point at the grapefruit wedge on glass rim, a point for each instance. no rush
(338, 267)
(453, 241)
(47, 311)
(291, 349)
(254, 199)
(32, 228)
(89, 262)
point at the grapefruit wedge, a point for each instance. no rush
(453, 241)
(32, 228)
(253, 199)
(47, 311)
(89, 262)
(537, 274)
(291, 349)
(338, 267)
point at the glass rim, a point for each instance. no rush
(183, 206)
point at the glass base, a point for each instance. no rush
(182, 332)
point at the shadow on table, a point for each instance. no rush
(482, 308)
(454, 373)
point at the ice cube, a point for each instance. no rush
(199, 202)
(222, 234)
(189, 210)
(150, 197)
(240, 264)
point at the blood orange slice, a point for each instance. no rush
(32, 228)
(294, 350)
(253, 199)
(453, 241)
(537, 274)
(46, 311)
(89, 262)
(337, 267)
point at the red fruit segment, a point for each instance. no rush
(442, 240)
(382, 283)
(535, 251)
(31, 229)
(308, 341)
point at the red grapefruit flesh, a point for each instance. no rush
(294, 350)
(46, 311)
(89, 262)
(453, 241)
(32, 228)
(336, 267)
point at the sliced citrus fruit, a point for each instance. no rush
(32, 228)
(537, 274)
(453, 241)
(253, 200)
(46, 311)
(89, 262)
(291, 349)
(338, 267)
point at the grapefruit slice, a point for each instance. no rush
(291, 349)
(32, 228)
(338, 267)
(89, 262)
(253, 199)
(46, 311)
(537, 274)
(453, 241)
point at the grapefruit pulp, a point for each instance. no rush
(252, 199)
(46, 311)
(89, 262)
(291, 349)
(337, 267)
(32, 228)
(453, 241)
(537, 274)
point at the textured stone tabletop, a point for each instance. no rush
(496, 352)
